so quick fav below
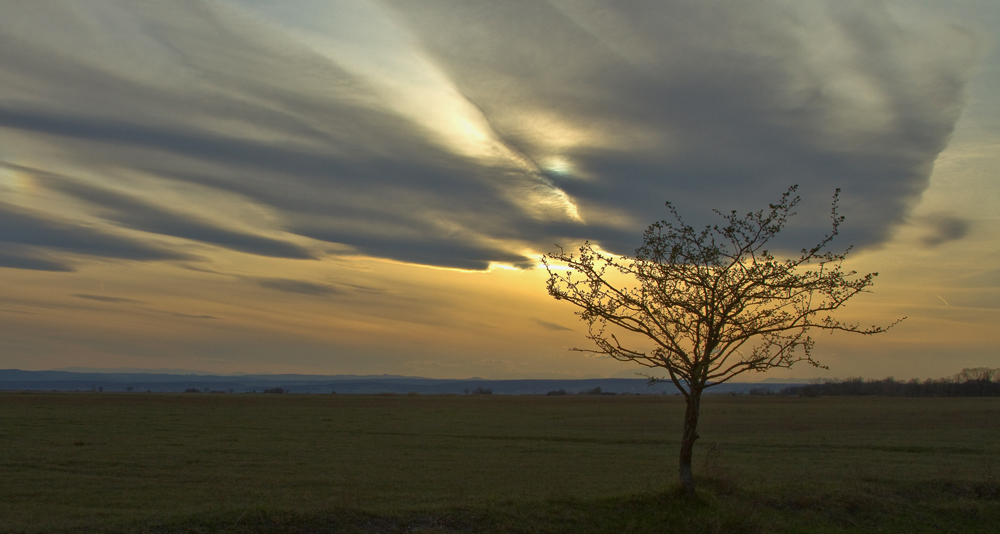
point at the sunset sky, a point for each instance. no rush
(366, 187)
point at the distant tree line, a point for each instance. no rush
(975, 382)
(595, 391)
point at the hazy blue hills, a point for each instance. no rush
(15, 379)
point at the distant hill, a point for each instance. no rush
(186, 372)
(15, 379)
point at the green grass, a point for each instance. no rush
(316, 463)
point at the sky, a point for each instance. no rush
(367, 187)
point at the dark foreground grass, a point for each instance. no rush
(711, 512)
(296, 463)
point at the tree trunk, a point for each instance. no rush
(689, 437)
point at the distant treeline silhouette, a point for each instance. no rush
(975, 382)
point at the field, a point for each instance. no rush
(139, 462)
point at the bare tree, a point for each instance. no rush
(710, 304)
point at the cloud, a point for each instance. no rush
(942, 229)
(31, 262)
(139, 215)
(552, 326)
(708, 104)
(189, 316)
(458, 134)
(298, 286)
(104, 298)
(411, 245)
(25, 234)
(302, 287)
(122, 300)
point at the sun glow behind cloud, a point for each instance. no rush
(409, 83)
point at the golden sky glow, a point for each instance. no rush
(366, 187)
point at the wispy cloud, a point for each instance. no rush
(542, 112)
(552, 326)
(709, 104)
(942, 229)
(26, 235)
(298, 286)
(136, 214)
(105, 298)
(191, 316)
(19, 258)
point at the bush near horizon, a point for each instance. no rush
(971, 382)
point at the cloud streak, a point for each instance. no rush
(300, 287)
(26, 238)
(728, 104)
(464, 134)
(552, 326)
(136, 214)
(105, 298)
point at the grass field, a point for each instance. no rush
(317, 463)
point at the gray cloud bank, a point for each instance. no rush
(615, 106)
(139, 215)
(31, 240)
